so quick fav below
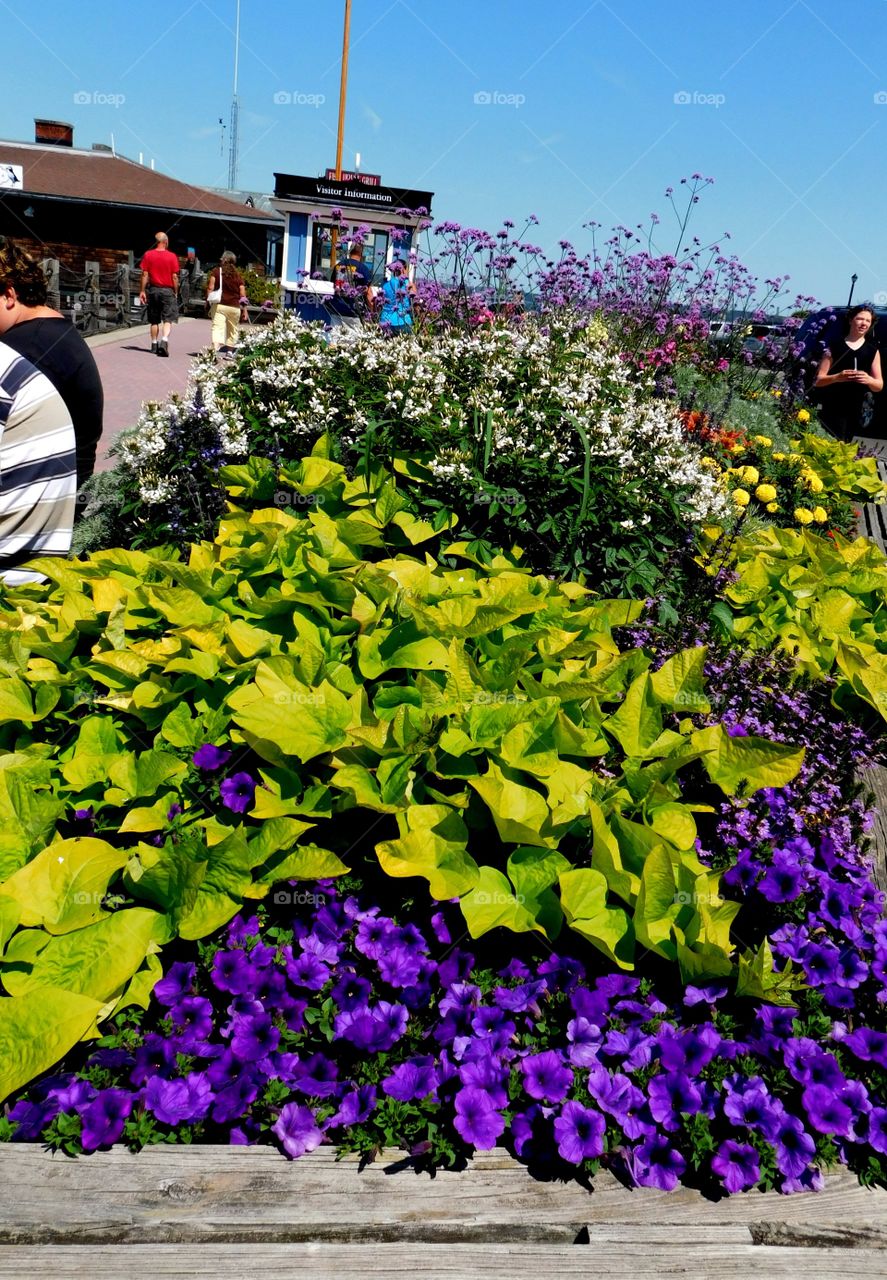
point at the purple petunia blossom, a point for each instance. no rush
(254, 1038)
(193, 1020)
(238, 792)
(579, 1133)
(307, 971)
(298, 1130)
(411, 1080)
(31, 1118)
(102, 1120)
(671, 1096)
(178, 1101)
(793, 1146)
(176, 984)
(784, 880)
(655, 1163)
(736, 1164)
(232, 1101)
(210, 758)
(233, 972)
(585, 1042)
(355, 1107)
(826, 1112)
(316, 1075)
(545, 1077)
(477, 1121)
(372, 1028)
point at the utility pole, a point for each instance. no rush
(233, 141)
(343, 86)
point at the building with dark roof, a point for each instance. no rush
(94, 206)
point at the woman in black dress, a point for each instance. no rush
(849, 370)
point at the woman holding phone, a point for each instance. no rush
(848, 371)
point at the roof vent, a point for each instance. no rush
(102, 146)
(54, 133)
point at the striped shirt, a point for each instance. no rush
(38, 467)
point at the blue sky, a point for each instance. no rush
(589, 109)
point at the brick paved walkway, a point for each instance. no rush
(131, 374)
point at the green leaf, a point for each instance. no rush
(62, 888)
(758, 979)
(96, 961)
(432, 844)
(750, 762)
(658, 904)
(679, 682)
(37, 1030)
(584, 901)
(492, 904)
(284, 717)
(518, 812)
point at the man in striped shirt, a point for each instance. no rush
(38, 468)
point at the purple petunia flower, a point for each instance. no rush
(793, 1146)
(103, 1119)
(178, 1101)
(411, 1080)
(317, 1075)
(672, 1095)
(233, 972)
(238, 792)
(232, 1101)
(355, 1107)
(307, 971)
(477, 1121)
(585, 1042)
(298, 1130)
(736, 1164)
(176, 984)
(31, 1118)
(210, 758)
(783, 880)
(254, 1038)
(826, 1112)
(579, 1133)
(545, 1077)
(655, 1163)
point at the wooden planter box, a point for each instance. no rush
(247, 1211)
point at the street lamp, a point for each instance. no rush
(853, 280)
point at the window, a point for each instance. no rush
(374, 251)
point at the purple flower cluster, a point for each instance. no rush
(344, 1022)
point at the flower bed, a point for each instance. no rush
(346, 815)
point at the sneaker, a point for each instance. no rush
(153, 348)
(162, 349)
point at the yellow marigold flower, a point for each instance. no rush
(816, 485)
(765, 493)
(803, 515)
(803, 415)
(750, 475)
(764, 440)
(779, 457)
(772, 506)
(820, 515)
(737, 448)
(741, 497)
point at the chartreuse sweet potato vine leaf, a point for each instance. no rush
(477, 730)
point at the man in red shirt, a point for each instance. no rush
(159, 286)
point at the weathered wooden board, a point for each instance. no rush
(727, 1260)
(214, 1195)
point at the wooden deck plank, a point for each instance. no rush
(715, 1261)
(207, 1194)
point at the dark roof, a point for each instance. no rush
(101, 177)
